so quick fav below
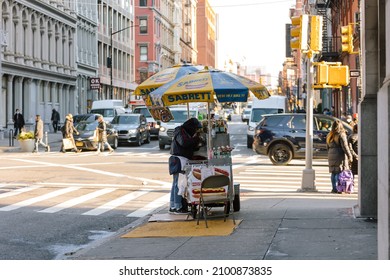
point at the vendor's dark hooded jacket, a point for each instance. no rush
(184, 143)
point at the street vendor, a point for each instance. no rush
(185, 141)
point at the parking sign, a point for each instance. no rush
(94, 83)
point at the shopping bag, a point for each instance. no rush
(95, 136)
(67, 144)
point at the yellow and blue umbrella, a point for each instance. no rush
(165, 76)
(207, 86)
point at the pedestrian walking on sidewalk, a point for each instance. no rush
(101, 131)
(55, 119)
(18, 120)
(38, 134)
(185, 141)
(67, 134)
(339, 155)
(353, 146)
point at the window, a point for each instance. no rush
(143, 3)
(143, 26)
(143, 53)
(298, 122)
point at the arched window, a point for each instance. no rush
(49, 40)
(26, 44)
(15, 20)
(33, 35)
(42, 37)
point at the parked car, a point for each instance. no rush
(108, 113)
(246, 113)
(131, 128)
(153, 125)
(86, 141)
(283, 136)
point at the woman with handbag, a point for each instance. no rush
(67, 135)
(339, 154)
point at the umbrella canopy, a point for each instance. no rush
(207, 86)
(165, 76)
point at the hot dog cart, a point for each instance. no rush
(217, 161)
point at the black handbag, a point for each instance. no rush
(174, 165)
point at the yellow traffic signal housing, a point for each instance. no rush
(316, 33)
(321, 74)
(299, 29)
(347, 39)
(338, 75)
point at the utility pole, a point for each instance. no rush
(110, 60)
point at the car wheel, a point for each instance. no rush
(147, 141)
(139, 140)
(280, 154)
(161, 146)
(115, 145)
(249, 142)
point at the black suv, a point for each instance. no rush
(283, 136)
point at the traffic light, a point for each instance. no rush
(330, 75)
(346, 39)
(316, 33)
(321, 74)
(299, 26)
(338, 75)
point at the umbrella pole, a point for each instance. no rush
(188, 110)
(209, 140)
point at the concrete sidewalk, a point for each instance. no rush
(54, 140)
(275, 226)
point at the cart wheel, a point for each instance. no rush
(194, 209)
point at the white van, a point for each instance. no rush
(275, 104)
(107, 103)
(108, 108)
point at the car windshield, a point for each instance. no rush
(181, 116)
(257, 113)
(125, 119)
(143, 111)
(85, 126)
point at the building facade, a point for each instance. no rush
(206, 34)
(116, 49)
(87, 54)
(39, 72)
(188, 37)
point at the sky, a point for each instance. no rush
(252, 32)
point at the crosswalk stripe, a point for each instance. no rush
(115, 203)
(77, 200)
(19, 191)
(38, 199)
(150, 206)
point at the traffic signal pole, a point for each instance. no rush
(308, 174)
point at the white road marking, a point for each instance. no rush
(38, 199)
(115, 203)
(150, 207)
(19, 191)
(75, 201)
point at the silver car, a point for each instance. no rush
(131, 128)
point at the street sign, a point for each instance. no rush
(354, 73)
(94, 83)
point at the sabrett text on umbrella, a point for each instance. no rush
(189, 97)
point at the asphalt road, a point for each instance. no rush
(54, 204)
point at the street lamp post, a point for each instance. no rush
(111, 55)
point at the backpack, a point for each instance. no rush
(345, 182)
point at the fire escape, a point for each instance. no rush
(330, 44)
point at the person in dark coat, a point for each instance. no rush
(185, 141)
(353, 146)
(55, 119)
(339, 155)
(18, 120)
